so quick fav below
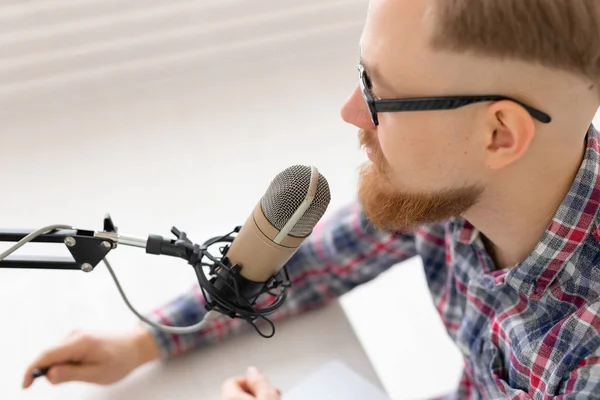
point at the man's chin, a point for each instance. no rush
(393, 210)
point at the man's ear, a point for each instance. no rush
(510, 132)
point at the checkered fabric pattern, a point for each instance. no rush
(529, 332)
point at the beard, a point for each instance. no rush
(391, 209)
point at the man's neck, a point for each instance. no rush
(514, 215)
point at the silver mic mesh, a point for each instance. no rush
(287, 192)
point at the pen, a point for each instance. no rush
(39, 372)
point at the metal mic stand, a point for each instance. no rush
(225, 290)
(87, 248)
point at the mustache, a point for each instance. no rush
(367, 139)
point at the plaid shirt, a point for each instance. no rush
(532, 331)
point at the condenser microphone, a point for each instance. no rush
(285, 216)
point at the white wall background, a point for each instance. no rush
(147, 113)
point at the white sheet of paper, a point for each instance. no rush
(335, 380)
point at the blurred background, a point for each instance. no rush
(180, 113)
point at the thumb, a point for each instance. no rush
(260, 386)
(62, 373)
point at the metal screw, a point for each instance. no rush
(106, 244)
(85, 267)
(70, 241)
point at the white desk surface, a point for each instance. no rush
(300, 346)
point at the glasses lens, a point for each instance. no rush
(365, 88)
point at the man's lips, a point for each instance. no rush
(370, 154)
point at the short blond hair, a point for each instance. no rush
(560, 34)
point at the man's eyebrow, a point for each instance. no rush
(375, 77)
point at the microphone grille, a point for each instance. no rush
(285, 195)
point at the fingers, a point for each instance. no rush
(72, 350)
(235, 389)
(253, 386)
(70, 372)
(260, 387)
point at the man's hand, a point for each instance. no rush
(99, 359)
(253, 386)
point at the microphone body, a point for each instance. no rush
(255, 251)
(285, 216)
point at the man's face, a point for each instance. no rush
(424, 166)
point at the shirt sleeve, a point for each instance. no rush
(343, 252)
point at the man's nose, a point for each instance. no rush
(356, 112)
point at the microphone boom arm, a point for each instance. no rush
(88, 248)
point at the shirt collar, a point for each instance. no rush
(464, 231)
(571, 225)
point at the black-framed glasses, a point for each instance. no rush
(430, 103)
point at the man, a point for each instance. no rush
(496, 187)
